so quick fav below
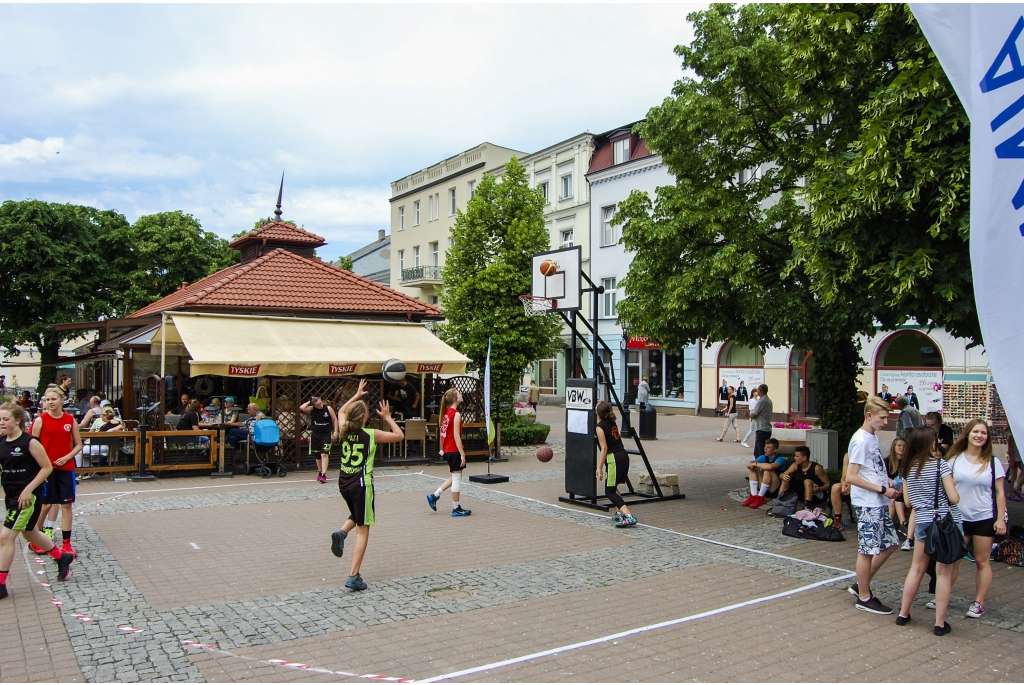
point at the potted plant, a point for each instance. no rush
(525, 412)
(790, 435)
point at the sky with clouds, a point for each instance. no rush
(200, 107)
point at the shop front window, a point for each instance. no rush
(655, 373)
(802, 385)
(675, 365)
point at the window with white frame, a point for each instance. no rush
(416, 256)
(564, 231)
(621, 149)
(610, 307)
(401, 218)
(544, 191)
(437, 206)
(430, 208)
(433, 300)
(566, 237)
(451, 241)
(433, 254)
(451, 202)
(472, 189)
(416, 213)
(401, 260)
(609, 232)
(542, 179)
(566, 187)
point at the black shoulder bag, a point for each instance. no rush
(943, 540)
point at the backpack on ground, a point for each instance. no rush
(811, 530)
(1011, 551)
(785, 505)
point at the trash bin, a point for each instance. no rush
(648, 422)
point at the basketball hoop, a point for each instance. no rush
(536, 306)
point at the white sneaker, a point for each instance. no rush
(745, 445)
(930, 604)
(907, 546)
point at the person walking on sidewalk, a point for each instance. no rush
(731, 414)
(25, 468)
(454, 452)
(870, 493)
(355, 481)
(928, 486)
(751, 409)
(762, 415)
(980, 480)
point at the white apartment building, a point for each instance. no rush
(424, 205)
(559, 171)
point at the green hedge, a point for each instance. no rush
(522, 433)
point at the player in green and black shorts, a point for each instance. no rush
(358, 449)
(25, 469)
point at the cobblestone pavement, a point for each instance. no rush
(201, 580)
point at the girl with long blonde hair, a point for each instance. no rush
(58, 431)
(358, 450)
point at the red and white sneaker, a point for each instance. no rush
(748, 500)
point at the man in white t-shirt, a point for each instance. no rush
(870, 493)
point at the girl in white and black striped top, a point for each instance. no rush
(927, 478)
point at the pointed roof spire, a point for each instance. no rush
(280, 192)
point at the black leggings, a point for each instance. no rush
(612, 492)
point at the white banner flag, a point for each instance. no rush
(979, 47)
(487, 395)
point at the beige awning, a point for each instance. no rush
(231, 345)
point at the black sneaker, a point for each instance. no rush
(902, 620)
(64, 565)
(873, 606)
(3, 590)
(944, 629)
(854, 590)
(355, 582)
(459, 511)
(338, 542)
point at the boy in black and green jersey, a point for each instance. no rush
(358, 449)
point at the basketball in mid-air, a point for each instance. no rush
(548, 267)
(544, 453)
(393, 370)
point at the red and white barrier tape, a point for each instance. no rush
(294, 664)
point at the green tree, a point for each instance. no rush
(821, 164)
(167, 249)
(343, 262)
(486, 269)
(58, 265)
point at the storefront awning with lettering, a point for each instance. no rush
(249, 346)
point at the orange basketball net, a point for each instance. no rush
(536, 306)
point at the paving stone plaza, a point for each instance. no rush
(233, 580)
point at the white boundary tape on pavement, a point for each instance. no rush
(627, 633)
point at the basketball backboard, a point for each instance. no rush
(563, 286)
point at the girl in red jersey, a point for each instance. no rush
(25, 468)
(58, 431)
(454, 453)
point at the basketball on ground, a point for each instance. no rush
(544, 453)
(548, 267)
(393, 370)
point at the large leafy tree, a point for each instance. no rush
(770, 142)
(58, 265)
(66, 263)
(167, 249)
(486, 269)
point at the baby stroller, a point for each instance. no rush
(266, 436)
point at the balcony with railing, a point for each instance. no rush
(426, 275)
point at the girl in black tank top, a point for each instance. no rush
(323, 422)
(614, 458)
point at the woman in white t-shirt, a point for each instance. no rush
(979, 480)
(929, 488)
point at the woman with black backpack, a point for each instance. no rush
(979, 480)
(929, 488)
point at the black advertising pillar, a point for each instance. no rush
(580, 439)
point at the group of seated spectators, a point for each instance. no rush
(770, 475)
(195, 417)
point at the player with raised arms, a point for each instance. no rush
(325, 430)
(613, 452)
(358, 450)
(453, 450)
(25, 469)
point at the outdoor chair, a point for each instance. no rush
(415, 431)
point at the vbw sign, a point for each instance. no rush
(579, 398)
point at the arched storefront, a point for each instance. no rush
(741, 367)
(910, 363)
(803, 396)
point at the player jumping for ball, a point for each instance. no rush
(454, 453)
(614, 453)
(25, 469)
(358, 449)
